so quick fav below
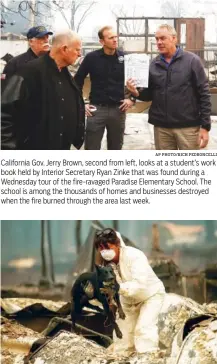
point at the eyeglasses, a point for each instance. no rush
(108, 234)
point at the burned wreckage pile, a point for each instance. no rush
(39, 332)
(36, 331)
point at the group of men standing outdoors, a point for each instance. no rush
(43, 107)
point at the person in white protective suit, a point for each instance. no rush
(141, 293)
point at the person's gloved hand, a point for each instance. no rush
(123, 291)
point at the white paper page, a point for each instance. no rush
(137, 67)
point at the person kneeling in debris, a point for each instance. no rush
(141, 293)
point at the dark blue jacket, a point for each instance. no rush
(106, 76)
(179, 92)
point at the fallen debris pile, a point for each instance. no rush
(187, 333)
(69, 348)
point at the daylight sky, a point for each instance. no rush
(102, 15)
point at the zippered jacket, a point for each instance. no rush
(30, 109)
(179, 92)
(17, 62)
(139, 282)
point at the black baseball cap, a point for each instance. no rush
(38, 32)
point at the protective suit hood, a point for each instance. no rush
(122, 244)
(139, 282)
(141, 295)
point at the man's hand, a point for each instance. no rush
(126, 104)
(203, 138)
(87, 110)
(131, 85)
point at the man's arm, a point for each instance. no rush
(10, 68)
(201, 86)
(11, 98)
(82, 73)
(143, 94)
(138, 267)
(128, 101)
(79, 78)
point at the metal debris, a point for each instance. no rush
(211, 307)
(15, 305)
(68, 348)
(200, 346)
(175, 312)
(13, 330)
(73, 349)
(16, 340)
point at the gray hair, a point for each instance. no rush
(64, 38)
(169, 28)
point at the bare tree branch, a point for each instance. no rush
(79, 10)
(50, 251)
(22, 8)
(128, 26)
(78, 235)
(134, 24)
(60, 9)
(42, 250)
(173, 8)
(4, 7)
(85, 14)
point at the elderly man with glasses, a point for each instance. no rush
(141, 292)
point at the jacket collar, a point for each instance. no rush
(117, 52)
(173, 57)
(158, 59)
(122, 244)
(52, 63)
(30, 51)
(122, 252)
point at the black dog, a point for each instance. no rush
(100, 285)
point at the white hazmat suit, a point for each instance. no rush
(142, 295)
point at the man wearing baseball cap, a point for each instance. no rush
(38, 45)
(42, 106)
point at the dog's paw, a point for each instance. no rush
(119, 335)
(103, 290)
(122, 315)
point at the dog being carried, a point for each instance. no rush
(100, 285)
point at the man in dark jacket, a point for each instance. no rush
(38, 45)
(106, 69)
(42, 108)
(179, 91)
